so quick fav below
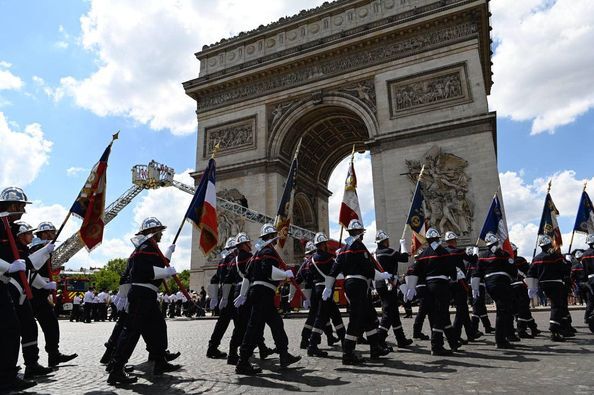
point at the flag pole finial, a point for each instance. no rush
(585, 185)
(215, 150)
(115, 136)
(421, 172)
(549, 186)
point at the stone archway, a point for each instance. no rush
(393, 77)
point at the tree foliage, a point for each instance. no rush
(108, 277)
(185, 279)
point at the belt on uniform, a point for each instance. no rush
(267, 285)
(152, 287)
(437, 278)
(318, 284)
(357, 276)
(518, 283)
(16, 284)
(420, 285)
(498, 274)
(591, 276)
(552, 281)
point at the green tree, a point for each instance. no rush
(185, 279)
(109, 275)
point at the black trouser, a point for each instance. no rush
(479, 310)
(500, 289)
(144, 317)
(438, 305)
(462, 318)
(46, 316)
(88, 311)
(121, 322)
(322, 315)
(28, 327)
(589, 313)
(9, 338)
(225, 316)
(336, 318)
(521, 309)
(263, 312)
(390, 313)
(422, 312)
(164, 308)
(362, 315)
(311, 317)
(172, 310)
(75, 313)
(240, 322)
(557, 294)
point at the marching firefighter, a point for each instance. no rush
(263, 275)
(12, 207)
(588, 262)
(22, 234)
(235, 276)
(435, 268)
(496, 268)
(547, 272)
(43, 310)
(579, 278)
(459, 290)
(522, 312)
(304, 279)
(479, 308)
(147, 270)
(387, 290)
(355, 262)
(226, 309)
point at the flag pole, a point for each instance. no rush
(342, 226)
(418, 179)
(478, 239)
(548, 191)
(573, 233)
(114, 137)
(216, 149)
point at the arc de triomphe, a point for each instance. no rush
(406, 80)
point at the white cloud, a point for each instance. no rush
(145, 53)
(9, 81)
(543, 61)
(22, 154)
(75, 171)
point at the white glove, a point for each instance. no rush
(213, 303)
(532, 292)
(476, 293)
(225, 296)
(162, 273)
(475, 284)
(403, 288)
(239, 301)
(17, 266)
(292, 292)
(386, 275)
(381, 276)
(307, 293)
(403, 249)
(289, 274)
(278, 274)
(475, 250)
(121, 303)
(169, 251)
(50, 285)
(410, 294)
(171, 271)
(223, 303)
(411, 281)
(306, 304)
(326, 293)
(460, 274)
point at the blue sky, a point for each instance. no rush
(72, 73)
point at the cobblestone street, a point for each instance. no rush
(535, 366)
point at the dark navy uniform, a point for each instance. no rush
(459, 290)
(388, 258)
(436, 268)
(496, 270)
(588, 264)
(479, 308)
(521, 308)
(355, 263)
(227, 313)
(550, 269)
(304, 277)
(319, 268)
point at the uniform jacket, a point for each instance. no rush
(354, 260)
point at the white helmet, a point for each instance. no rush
(310, 247)
(23, 227)
(450, 236)
(514, 247)
(13, 194)
(320, 238)
(230, 244)
(381, 236)
(355, 224)
(151, 223)
(544, 240)
(267, 229)
(491, 238)
(241, 238)
(590, 239)
(45, 227)
(432, 233)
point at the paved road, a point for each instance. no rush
(536, 366)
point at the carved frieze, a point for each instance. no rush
(379, 52)
(445, 186)
(423, 92)
(229, 224)
(364, 91)
(232, 137)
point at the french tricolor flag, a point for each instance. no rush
(349, 209)
(203, 209)
(495, 223)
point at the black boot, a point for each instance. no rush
(332, 340)
(265, 352)
(36, 370)
(119, 376)
(17, 385)
(352, 359)
(513, 338)
(377, 351)
(245, 367)
(162, 366)
(55, 359)
(215, 353)
(557, 337)
(314, 351)
(169, 356)
(233, 358)
(477, 335)
(106, 356)
(505, 345)
(287, 359)
(523, 334)
(401, 339)
(304, 343)
(420, 336)
(440, 351)
(534, 329)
